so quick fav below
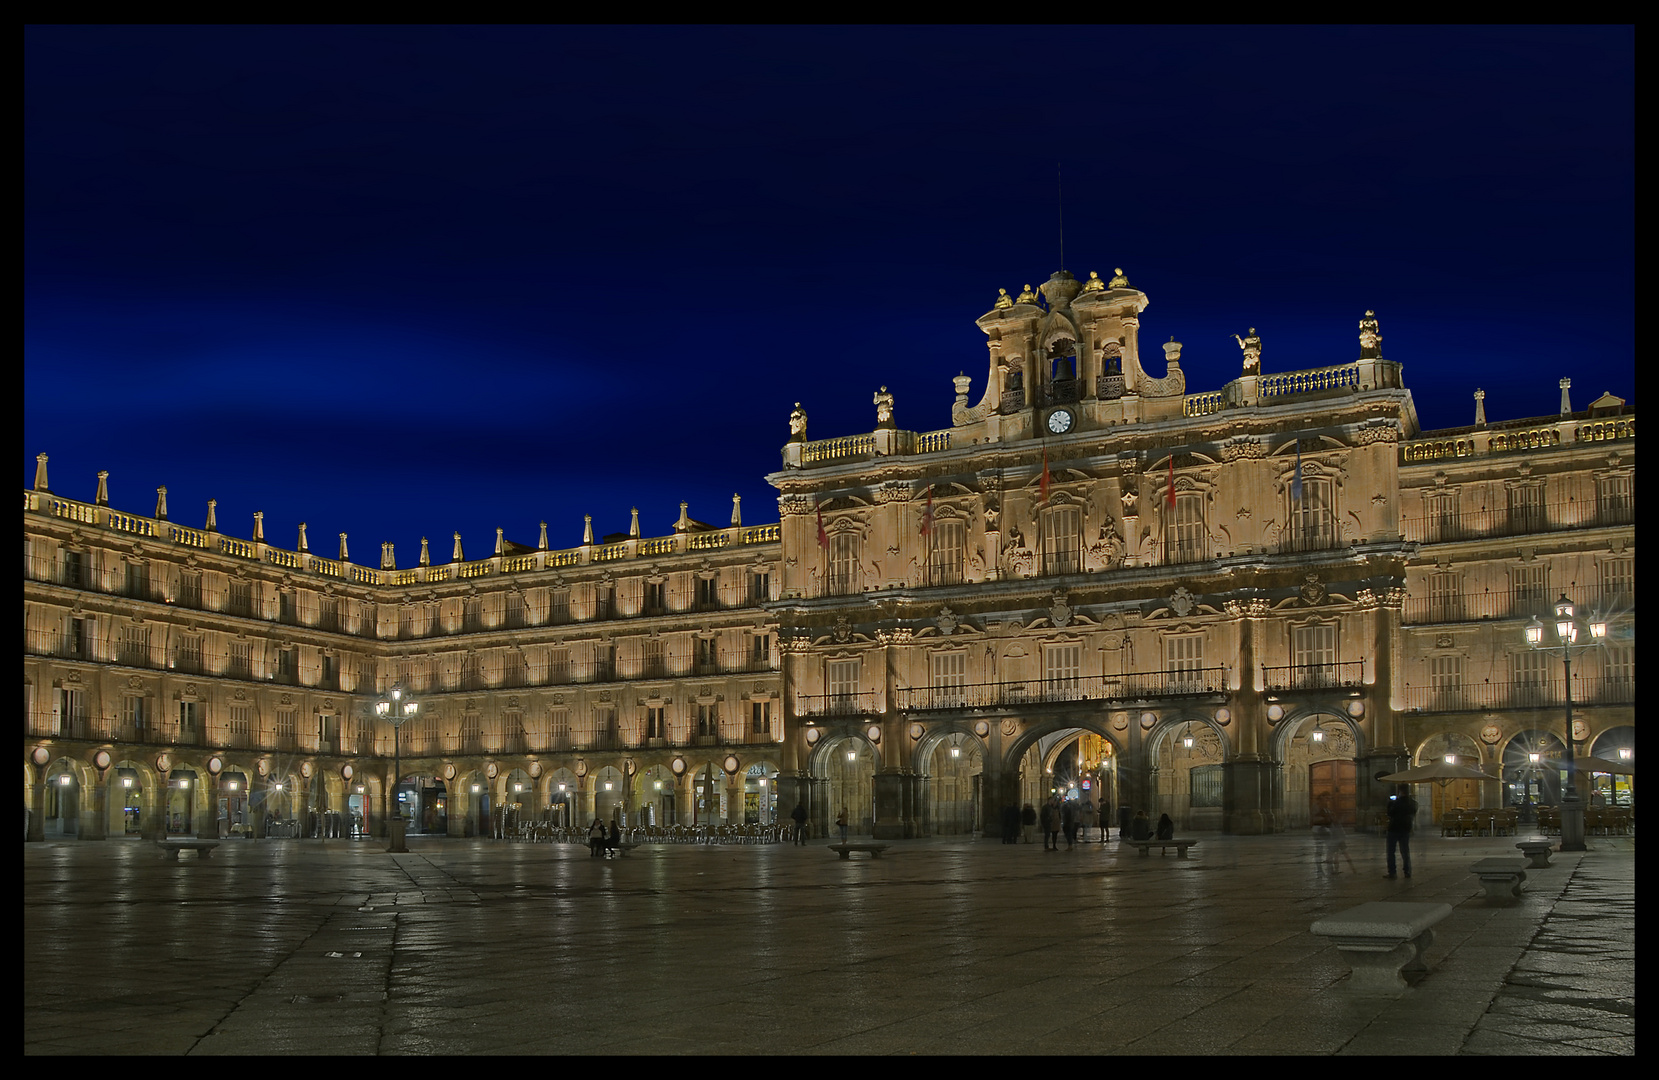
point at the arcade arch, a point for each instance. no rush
(952, 763)
(1614, 744)
(1187, 755)
(847, 765)
(1320, 750)
(1459, 749)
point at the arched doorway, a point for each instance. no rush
(179, 807)
(1320, 751)
(1188, 756)
(1070, 762)
(1453, 794)
(126, 797)
(609, 795)
(1531, 773)
(63, 800)
(708, 795)
(561, 799)
(518, 801)
(657, 791)
(955, 767)
(849, 771)
(233, 804)
(1616, 789)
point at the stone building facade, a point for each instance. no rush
(1227, 606)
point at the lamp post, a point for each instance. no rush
(1567, 629)
(397, 708)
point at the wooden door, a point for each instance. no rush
(1333, 781)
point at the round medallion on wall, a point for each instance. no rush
(581, 767)
(1061, 421)
(1148, 719)
(215, 764)
(449, 771)
(679, 766)
(163, 763)
(264, 767)
(812, 736)
(101, 759)
(916, 731)
(1490, 734)
(873, 733)
(982, 729)
(731, 764)
(345, 772)
(1356, 709)
(305, 769)
(1275, 713)
(535, 770)
(1581, 730)
(491, 769)
(1224, 716)
(42, 755)
(1120, 724)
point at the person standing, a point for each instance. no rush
(1028, 821)
(798, 816)
(1084, 816)
(1402, 813)
(596, 838)
(1050, 818)
(1068, 821)
(841, 824)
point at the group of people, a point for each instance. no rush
(1065, 817)
(1331, 840)
(601, 843)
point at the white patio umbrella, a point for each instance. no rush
(1439, 771)
(1591, 763)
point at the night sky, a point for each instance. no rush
(403, 282)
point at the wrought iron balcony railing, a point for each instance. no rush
(1346, 675)
(1130, 686)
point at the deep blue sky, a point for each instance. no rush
(399, 282)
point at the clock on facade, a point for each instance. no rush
(1060, 421)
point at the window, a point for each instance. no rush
(328, 614)
(138, 580)
(1187, 535)
(708, 720)
(241, 598)
(948, 680)
(1314, 655)
(1441, 523)
(135, 645)
(841, 679)
(708, 653)
(760, 713)
(189, 656)
(190, 715)
(1526, 508)
(1184, 659)
(604, 662)
(1615, 500)
(948, 554)
(1313, 520)
(135, 717)
(760, 588)
(288, 665)
(656, 659)
(75, 569)
(190, 590)
(1618, 672)
(655, 728)
(656, 601)
(330, 680)
(285, 724)
(843, 579)
(1062, 540)
(558, 666)
(1618, 582)
(558, 726)
(1062, 670)
(561, 605)
(760, 651)
(241, 722)
(71, 718)
(1206, 789)
(1531, 670)
(1445, 597)
(1445, 681)
(472, 614)
(287, 607)
(1529, 589)
(604, 725)
(76, 635)
(708, 594)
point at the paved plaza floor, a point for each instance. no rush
(943, 946)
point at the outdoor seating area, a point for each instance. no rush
(540, 832)
(1620, 821)
(1480, 822)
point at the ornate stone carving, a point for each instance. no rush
(1181, 602)
(1242, 447)
(1059, 612)
(797, 424)
(1108, 550)
(1370, 337)
(1252, 346)
(1313, 590)
(1375, 431)
(1443, 641)
(1365, 598)
(843, 631)
(898, 635)
(794, 505)
(891, 492)
(947, 620)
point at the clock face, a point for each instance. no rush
(1060, 421)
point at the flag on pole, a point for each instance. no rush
(927, 513)
(1042, 485)
(1169, 497)
(1296, 483)
(823, 537)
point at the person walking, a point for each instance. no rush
(1050, 819)
(596, 838)
(1068, 822)
(1105, 819)
(1402, 812)
(613, 840)
(798, 816)
(1336, 845)
(841, 824)
(1028, 821)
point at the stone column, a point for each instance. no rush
(207, 806)
(1388, 752)
(922, 808)
(584, 800)
(36, 830)
(1247, 783)
(734, 798)
(818, 808)
(100, 810)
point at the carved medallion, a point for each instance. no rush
(1490, 734)
(947, 620)
(1313, 590)
(1181, 602)
(1059, 612)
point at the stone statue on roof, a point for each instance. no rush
(1252, 346)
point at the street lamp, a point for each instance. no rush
(1567, 631)
(397, 708)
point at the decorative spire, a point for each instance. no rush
(1004, 300)
(685, 522)
(456, 556)
(1094, 284)
(1118, 280)
(344, 557)
(259, 526)
(161, 497)
(737, 509)
(587, 528)
(1480, 408)
(212, 516)
(498, 540)
(388, 557)
(102, 498)
(633, 523)
(40, 473)
(1566, 404)
(302, 545)
(426, 555)
(541, 545)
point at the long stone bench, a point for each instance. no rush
(203, 848)
(1504, 878)
(846, 850)
(1163, 846)
(1382, 938)
(621, 847)
(1537, 853)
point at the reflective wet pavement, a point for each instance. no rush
(941, 947)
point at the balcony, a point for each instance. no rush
(860, 703)
(1344, 676)
(1130, 686)
(1518, 521)
(1473, 607)
(1529, 694)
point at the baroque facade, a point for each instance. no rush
(1227, 606)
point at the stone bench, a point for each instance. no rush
(1163, 846)
(204, 848)
(619, 847)
(846, 850)
(1537, 853)
(1381, 938)
(1504, 878)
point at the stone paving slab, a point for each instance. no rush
(943, 947)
